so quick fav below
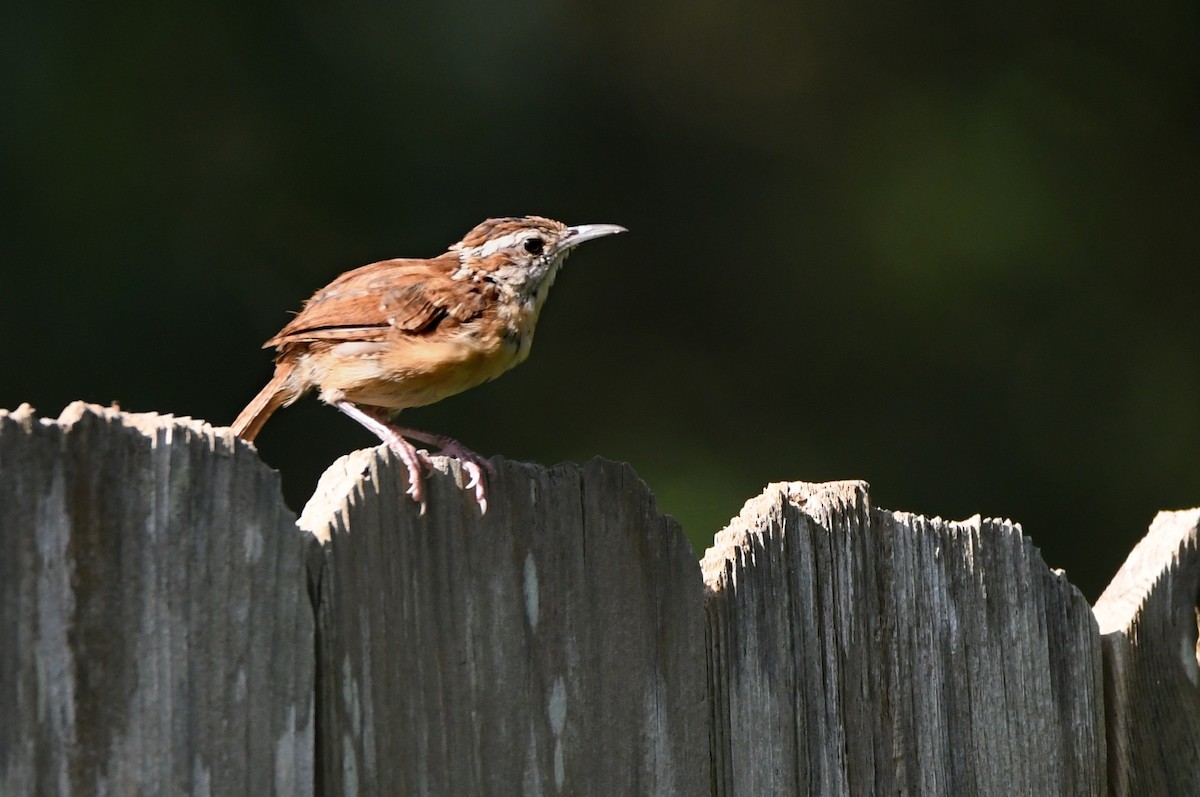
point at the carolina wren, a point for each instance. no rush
(408, 332)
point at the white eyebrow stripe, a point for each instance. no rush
(494, 245)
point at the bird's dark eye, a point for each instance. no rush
(534, 246)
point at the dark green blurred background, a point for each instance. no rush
(946, 247)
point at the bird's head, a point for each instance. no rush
(522, 254)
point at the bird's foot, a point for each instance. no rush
(414, 461)
(417, 460)
(474, 464)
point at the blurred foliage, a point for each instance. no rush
(946, 248)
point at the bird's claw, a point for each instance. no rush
(416, 479)
(475, 482)
(472, 466)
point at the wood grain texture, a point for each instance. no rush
(859, 651)
(155, 631)
(554, 646)
(1147, 616)
(166, 629)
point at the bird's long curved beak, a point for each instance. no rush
(587, 232)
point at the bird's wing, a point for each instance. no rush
(368, 303)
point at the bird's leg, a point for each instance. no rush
(376, 420)
(474, 464)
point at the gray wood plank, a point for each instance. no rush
(859, 651)
(553, 646)
(156, 635)
(1147, 616)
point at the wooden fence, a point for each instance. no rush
(166, 628)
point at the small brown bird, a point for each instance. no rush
(409, 332)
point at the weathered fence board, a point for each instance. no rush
(165, 628)
(155, 633)
(859, 651)
(553, 646)
(1152, 681)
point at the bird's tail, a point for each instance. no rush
(250, 420)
